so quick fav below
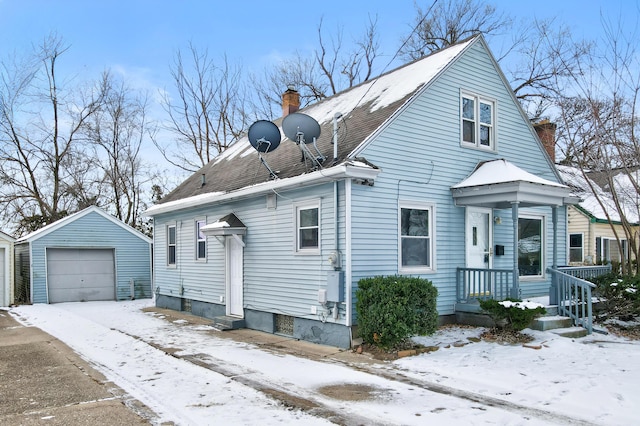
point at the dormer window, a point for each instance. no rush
(478, 121)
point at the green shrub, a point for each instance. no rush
(391, 309)
(618, 296)
(512, 314)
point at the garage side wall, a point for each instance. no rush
(93, 231)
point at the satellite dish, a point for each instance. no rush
(300, 128)
(264, 136)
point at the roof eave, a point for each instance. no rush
(503, 195)
(341, 171)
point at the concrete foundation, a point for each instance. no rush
(325, 333)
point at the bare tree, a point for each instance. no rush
(599, 130)
(40, 147)
(535, 59)
(335, 65)
(443, 24)
(208, 114)
(541, 57)
(117, 133)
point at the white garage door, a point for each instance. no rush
(80, 275)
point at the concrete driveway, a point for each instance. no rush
(42, 381)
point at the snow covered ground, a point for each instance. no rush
(215, 380)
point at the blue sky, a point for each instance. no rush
(140, 37)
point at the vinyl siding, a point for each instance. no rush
(420, 155)
(276, 278)
(579, 223)
(132, 253)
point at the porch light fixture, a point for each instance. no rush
(497, 220)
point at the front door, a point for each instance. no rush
(235, 272)
(478, 235)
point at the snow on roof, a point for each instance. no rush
(388, 88)
(502, 171)
(592, 195)
(379, 92)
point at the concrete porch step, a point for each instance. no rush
(571, 332)
(551, 322)
(228, 323)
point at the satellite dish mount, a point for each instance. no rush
(304, 131)
(265, 137)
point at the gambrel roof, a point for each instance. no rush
(365, 109)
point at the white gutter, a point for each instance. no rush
(342, 171)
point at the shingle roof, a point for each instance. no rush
(598, 202)
(365, 108)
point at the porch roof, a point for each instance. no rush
(499, 184)
(227, 225)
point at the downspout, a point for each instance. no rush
(336, 205)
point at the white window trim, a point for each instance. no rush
(175, 244)
(494, 131)
(543, 247)
(582, 247)
(197, 240)
(311, 204)
(432, 236)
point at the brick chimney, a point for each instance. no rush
(290, 101)
(546, 131)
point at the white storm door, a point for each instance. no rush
(478, 235)
(235, 270)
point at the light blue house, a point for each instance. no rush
(430, 170)
(86, 256)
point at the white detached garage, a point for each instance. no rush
(87, 256)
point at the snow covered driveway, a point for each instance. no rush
(210, 378)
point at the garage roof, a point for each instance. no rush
(75, 216)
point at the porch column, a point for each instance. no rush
(553, 289)
(515, 290)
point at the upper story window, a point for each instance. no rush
(171, 245)
(478, 121)
(308, 227)
(416, 238)
(201, 241)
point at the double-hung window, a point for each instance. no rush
(478, 121)
(171, 245)
(308, 227)
(416, 238)
(201, 241)
(575, 248)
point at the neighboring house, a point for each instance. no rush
(87, 256)
(596, 234)
(435, 172)
(6, 268)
